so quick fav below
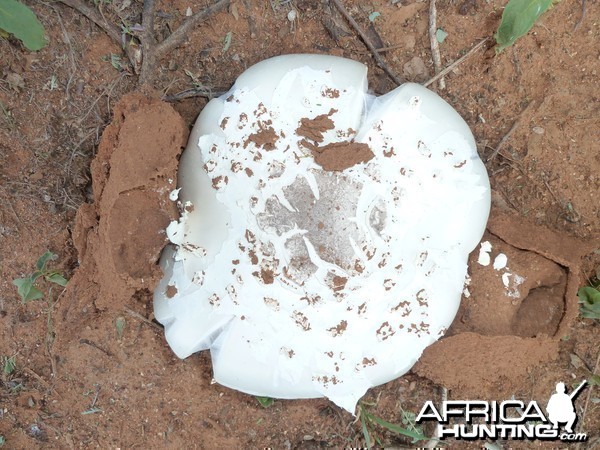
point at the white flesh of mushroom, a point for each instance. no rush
(304, 282)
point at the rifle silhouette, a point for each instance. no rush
(576, 391)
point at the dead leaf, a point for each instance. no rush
(578, 363)
(15, 81)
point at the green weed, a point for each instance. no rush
(20, 21)
(518, 18)
(9, 364)
(369, 423)
(115, 61)
(26, 286)
(120, 323)
(227, 42)
(7, 116)
(589, 297)
(265, 402)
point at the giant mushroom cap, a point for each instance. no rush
(324, 232)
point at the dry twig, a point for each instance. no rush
(578, 24)
(138, 316)
(378, 59)
(503, 141)
(510, 132)
(435, 48)
(589, 394)
(145, 56)
(455, 63)
(189, 93)
(67, 39)
(113, 31)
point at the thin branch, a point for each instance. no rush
(380, 62)
(455, 63)
(148, 12)
(148, 40)
(503, 141)
(92, 13)
(143, 319)
(435, 48)
(67, 39)
(180, 34)
(153, 52)
(577, 25)
(589, 394)
(510, 132)
(383, 49)
(113, 32)
(189, 93)
(144, 61)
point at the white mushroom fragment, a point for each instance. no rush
(324, 233)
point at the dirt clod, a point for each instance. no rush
(341, 155)
(120, 236)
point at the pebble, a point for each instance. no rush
(416, 70)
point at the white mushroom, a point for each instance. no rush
(324, 233)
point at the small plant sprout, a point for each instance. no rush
(324, 232)
(265, 402)
(227, 41)
(93, 409)
(26, 286)
(9, 364)
(115, 61)
(369, 423)
(589, 298)
(120, 323)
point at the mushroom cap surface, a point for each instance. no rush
(325, 232)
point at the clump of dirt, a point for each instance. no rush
(512, 316)
(477, 366)
(314, 128)
(120, 235)
(338, 156)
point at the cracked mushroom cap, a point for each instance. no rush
(324, 233)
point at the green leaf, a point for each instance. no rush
(10, 364)
(517, 19)
(374, 15)
(594, 380)
(265, 402)
(440, 35)
(365, 431)
(18, 19)
(27, 290)
(590, 302)
(395, 428)
(227, 42)
(57, 278)
(41, 263)
(120, 323)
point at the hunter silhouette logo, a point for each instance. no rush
(510, 419)
(560, 407)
